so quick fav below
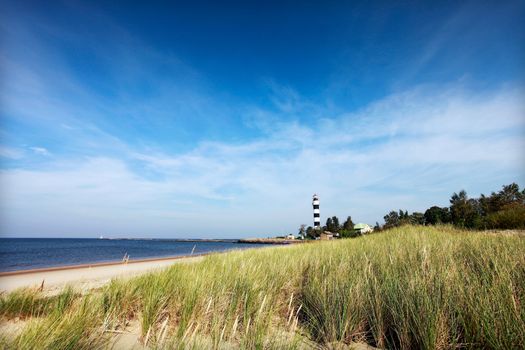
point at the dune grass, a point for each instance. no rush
(406, 288)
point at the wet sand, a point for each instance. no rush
(85, 276)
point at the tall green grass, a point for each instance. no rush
(407, 288)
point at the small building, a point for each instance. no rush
(290, 236)
(362, 228)
(326, 236)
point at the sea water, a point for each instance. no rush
(32, 253)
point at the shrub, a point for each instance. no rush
(512, 216)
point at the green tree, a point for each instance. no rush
(436, 215)
(335, 224)
(329, 224)
(512, 216)
(302, 230)
(490, 204)
(310, 232)
(503, 210)
(511, 194)
(459, 208)
(404, 218)
(417, 218)
(465, 212)
(391, 219)
(332, 224)
(496, 201)
(348, 224)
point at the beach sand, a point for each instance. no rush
(84, 277)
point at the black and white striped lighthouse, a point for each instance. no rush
(317, 217)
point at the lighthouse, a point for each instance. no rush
(317, 218)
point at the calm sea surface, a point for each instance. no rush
(31, 253)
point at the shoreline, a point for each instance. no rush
(241, 242)
(87, 276)
(100, 264)
(84, 277)
(278, 241)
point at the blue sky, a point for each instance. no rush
(221, 120)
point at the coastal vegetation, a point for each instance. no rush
(501, 210)
(504, 209)
(410, 287)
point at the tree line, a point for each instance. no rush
(501, 210)
(345, 230)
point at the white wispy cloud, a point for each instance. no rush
(11, 153)
(409, 150)
(41, 151)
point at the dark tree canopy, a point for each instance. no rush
(504, 209)
(302, 230)
(437, 215)
(417, 218)
(392, 219)
(335, 224)
(501, 210)
(464, 212)
(348, 224)
(328, 225)
(310, 232)
(332, 224)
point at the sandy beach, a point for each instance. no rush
(85, 276)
